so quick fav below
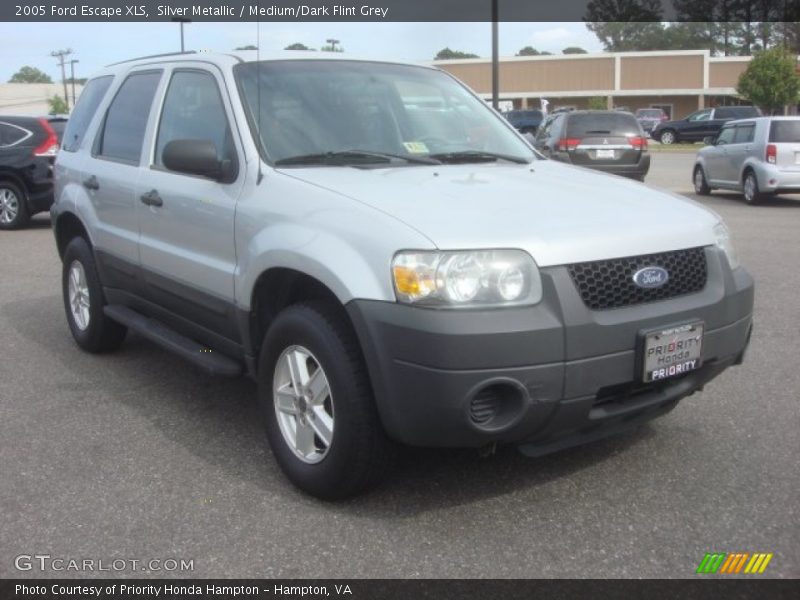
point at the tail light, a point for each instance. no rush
(568, 144)
(49, 146)
(772, 153)
(638, 142)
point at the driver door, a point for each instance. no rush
(718, 164)
(186, 242)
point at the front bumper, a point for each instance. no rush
(559, 372)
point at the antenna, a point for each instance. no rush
(260, 175)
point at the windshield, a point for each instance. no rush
(313, 109)
(649, 113)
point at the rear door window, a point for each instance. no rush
(784, 132)
(613, 124)
(126, 120)
(84, 110)
(744, 133)
(726, 136)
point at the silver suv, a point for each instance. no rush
(386, 257)
(759, 157)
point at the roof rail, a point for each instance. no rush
(122, 62)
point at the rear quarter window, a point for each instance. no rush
(90, 98)
(11, 135)
(784, 132)
(602, 123)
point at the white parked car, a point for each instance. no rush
(759, 157)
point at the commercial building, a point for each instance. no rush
(679, 81)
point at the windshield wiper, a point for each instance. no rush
(477, 156)
(344, 157)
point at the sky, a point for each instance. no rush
(98, 44)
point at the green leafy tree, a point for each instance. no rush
(597, 103)
(248, 47)
(528, 51)
(448, 54)
(770, 80)
(297, 46)
(57, 105)
(332, 48)
(573, 50)
(30, 75)
(626, 24)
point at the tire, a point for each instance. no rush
(347, 448)
(84, 300)
(13, 206)
(750, 189)
(700, 184)
(667, 137)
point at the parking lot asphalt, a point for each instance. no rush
(138, 455)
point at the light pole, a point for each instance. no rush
(495, 58)
(332, 43)
(60, 54)
(72, 77)
(181, 20)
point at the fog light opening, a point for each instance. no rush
(497, 405)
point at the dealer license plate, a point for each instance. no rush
(604, 154)
(673, 351)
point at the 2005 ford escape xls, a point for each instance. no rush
(386, 256)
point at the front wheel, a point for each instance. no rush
(321, 420)
(83, 301)
(668, 137)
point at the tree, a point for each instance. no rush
(332, 48)
(297, 46)
(57, 105)
(447, 54)
(573, 50)
(528, 51)
(770, 80)
(30, 75)
(597, 103)
(248, 47)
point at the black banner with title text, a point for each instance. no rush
(400, 10)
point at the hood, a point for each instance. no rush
(558, 213)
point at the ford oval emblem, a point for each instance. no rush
(650, 277)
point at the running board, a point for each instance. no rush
(155, 331)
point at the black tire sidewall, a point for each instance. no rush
(22, 217)
(337, 474)
(91, 338)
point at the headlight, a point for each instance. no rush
(725, 243)
(479, 278)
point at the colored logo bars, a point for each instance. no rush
(734, 562)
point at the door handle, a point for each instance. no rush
(91, 183)
(151, 198)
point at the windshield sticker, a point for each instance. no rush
(416, 147)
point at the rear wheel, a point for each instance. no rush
(700, 184)
(83, 301)
(13, 206)
(321, 420)
(752, 195)
(668, 137)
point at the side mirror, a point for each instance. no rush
(195, 157)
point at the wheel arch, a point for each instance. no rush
(67, 227)
(6, 175)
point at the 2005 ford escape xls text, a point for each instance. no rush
(386, 256)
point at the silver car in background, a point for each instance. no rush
(759, 157)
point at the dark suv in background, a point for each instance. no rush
(701, 125)
(525, 121)
(604, 140)
(28, 147)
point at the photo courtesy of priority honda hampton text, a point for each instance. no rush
(386, 256)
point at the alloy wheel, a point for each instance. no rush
(303, 404)
(749, 188)
(78, 292)
(9, 206)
